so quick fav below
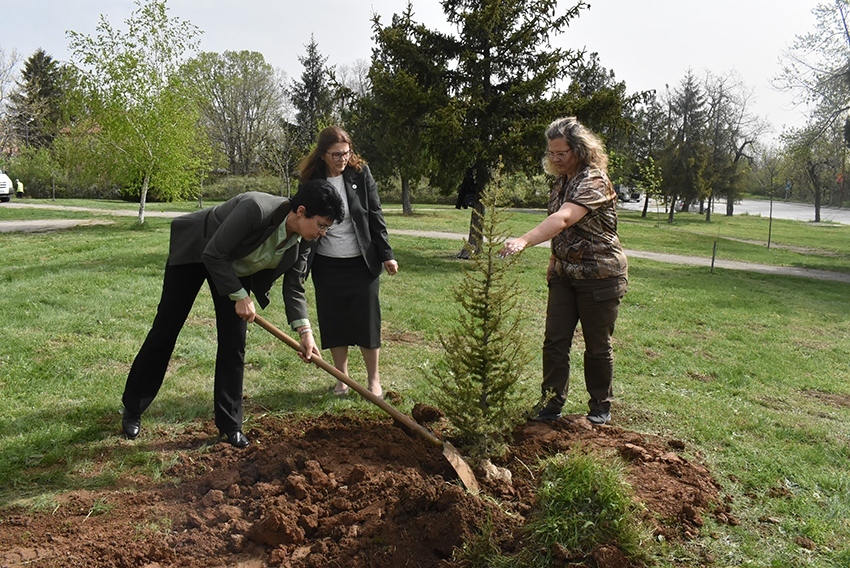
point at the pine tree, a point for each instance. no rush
(685, 159)
(501, 74)
(312, 97)
(36, 105)
(406, 87)
(476, 382)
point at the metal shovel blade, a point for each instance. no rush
(464, 472)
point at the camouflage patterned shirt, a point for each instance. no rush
(590, 249)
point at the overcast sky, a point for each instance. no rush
(647, 43)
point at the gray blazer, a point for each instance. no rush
(219, 235)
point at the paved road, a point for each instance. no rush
(45, 225)
(791, 211)
(677, 259)
(781, 210)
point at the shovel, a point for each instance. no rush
(464, 472)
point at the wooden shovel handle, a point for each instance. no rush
(363, 391)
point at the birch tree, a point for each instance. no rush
(143, 117)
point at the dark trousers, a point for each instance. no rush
(180, 287)
(594, 304)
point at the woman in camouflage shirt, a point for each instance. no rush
(588, 270)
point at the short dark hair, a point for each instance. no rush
(318, 197)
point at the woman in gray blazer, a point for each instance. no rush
(238, 247)
(348, 260)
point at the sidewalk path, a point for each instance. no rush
(680, 259)
(47, 225)
(55, 224)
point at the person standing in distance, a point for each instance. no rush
(588, 270)
(348, 262)
(238, 247)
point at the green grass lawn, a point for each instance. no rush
(750, 370)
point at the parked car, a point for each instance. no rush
(6, 188)
(625, 193)
(680, 205)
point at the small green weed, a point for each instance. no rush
(583, 502)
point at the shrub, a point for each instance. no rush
(223, 188)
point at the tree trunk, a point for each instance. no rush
(482, 178)
(817, 200)
(816, 185)
(645, 206)
(708, 208)
(405, 196)
(730, 206)
(843, 173)
(143, 199)
(817, 204)
(672, 208)
(474, 239)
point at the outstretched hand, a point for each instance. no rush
(512, 247)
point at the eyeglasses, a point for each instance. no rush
(322, 227)
(558, 155)
(339, 156)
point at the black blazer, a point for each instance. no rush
(364, 208)
(219, 235)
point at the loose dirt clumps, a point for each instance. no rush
(335, 491)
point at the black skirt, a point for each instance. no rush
(346, 302)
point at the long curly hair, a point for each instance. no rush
(313, 165)
(586, 145)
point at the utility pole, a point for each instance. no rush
(770, 223)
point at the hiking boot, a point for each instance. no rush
(546, 409)
(599, 417)
(547, 414)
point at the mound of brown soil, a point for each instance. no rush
(334, 491)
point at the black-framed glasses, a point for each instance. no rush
(557, 155)
(322, 227)
(338, 156)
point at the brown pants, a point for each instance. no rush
(595, 304)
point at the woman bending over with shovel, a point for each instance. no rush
(238, 247)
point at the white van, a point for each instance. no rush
(6, 189)
(626, 194)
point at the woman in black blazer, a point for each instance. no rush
(347, 262)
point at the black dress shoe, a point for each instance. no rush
(131, 424)
(237, 439)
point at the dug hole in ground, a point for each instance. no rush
(335, 491)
